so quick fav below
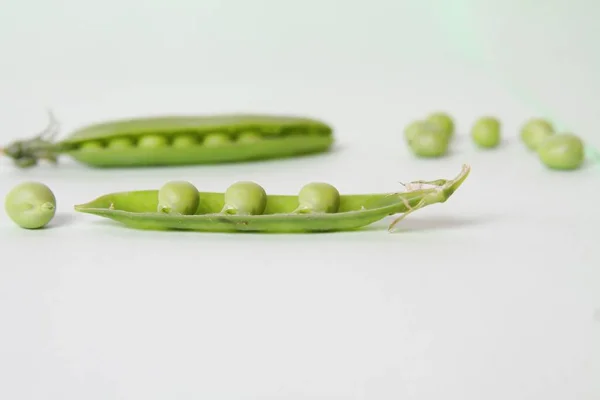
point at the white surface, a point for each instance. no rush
(492, 295)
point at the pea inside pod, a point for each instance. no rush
(30, 205)
(179, 198)
(245, 198)
(318, 197)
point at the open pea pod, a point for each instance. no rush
(177, 140)
(138, 209)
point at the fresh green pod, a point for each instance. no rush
(178, 140)
(318, 197)
(138, 209)
(535, 131)
(564, 151)
(245, 198)
(178, 197)
(30, 205)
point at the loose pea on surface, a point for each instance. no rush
(245, 198)
(216, 140)
(430, 143)
(535, 131)
(178, 197)
(486, 132)
(153, 142)
(31, 205)
(443, 121)
(563, 151)
(413, 129)
(318, 197)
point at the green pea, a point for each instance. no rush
(318, 197)
(430, 143)
(413, 129)
(564, 151)
(443, 121)
(245, 198)
(153, 142)
(535, 131)
(249, 137)
(91, 146)
(31, 205)
(178, 197)
(216, 140)
(121, 143)
(182, 141)
(486, 132)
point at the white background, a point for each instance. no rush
(492, 295)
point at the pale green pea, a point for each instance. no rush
(249, 137)
(216, 140)
(430, 143)
(413, 129)
(91, 146)
(182, 141)
(486, 132)
(153, 142)
(121, 143)
(318, 197)
(179, 198)
(563, 151)
(443, 121)
(31, 205)
(535, 131)
(245, 198)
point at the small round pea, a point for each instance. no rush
(249, 137)
(443, 121)
(535, 131)
(179, 198)
(486, 132)
(563, 151)
(245, 198)
(182, 141)
(216, 140)
(318, 197)
(91, 146)
(430, 143)
(31, 205)
(153, 142)
(413, 129)
(121, 143)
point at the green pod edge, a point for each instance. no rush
(137, 210)
(239, 138)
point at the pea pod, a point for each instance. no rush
(138, 209)
(177, 140)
